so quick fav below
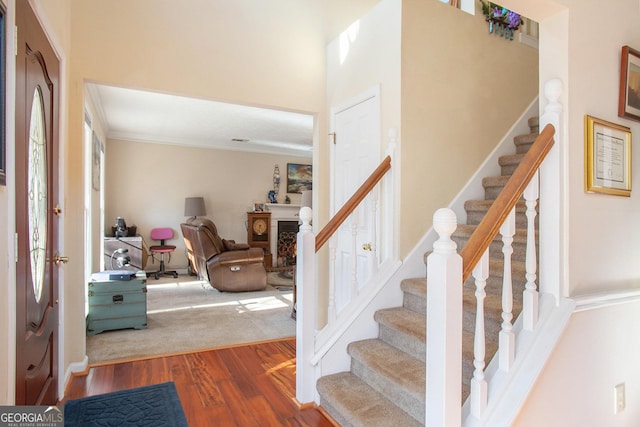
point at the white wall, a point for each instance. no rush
(576, 388)
(147, 184)
(360, 59)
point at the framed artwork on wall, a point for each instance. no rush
(299, 177)
(629, 96)
(607, 157)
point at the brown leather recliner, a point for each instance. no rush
(227, 265)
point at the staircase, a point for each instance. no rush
(386, 383)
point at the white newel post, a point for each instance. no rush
(306, 305)
(552, 207)
(444, 326)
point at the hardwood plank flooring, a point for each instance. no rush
(250, 385)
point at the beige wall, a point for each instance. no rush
(147, 184)
(460, 95)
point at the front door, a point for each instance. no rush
(357, 154)
(36, 226)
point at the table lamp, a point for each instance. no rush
(194, 206)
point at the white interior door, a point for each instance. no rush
(356, 154)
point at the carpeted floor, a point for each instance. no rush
(188, 314)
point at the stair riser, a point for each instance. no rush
(413, 405)
(508, 170)
(403, 342)
(335, 414)
(415, 303)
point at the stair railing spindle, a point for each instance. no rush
(506, 338)
(530, 297)
(331, 304)
(373, 247)
(479, 392)
(354, 258)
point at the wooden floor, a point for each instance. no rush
(251, 385)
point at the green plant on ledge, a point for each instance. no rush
(502, 21)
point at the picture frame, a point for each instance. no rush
(258, 207)
(299, 177)
(629, 96)
(607, 157)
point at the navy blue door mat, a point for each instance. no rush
(154, 405)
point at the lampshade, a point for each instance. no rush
(194, 206)
(307, 199)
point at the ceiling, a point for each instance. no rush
(135, 115)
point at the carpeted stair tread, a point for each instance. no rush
(493, 185)
(351, 402)
(500, 180)
(508, 163)
(404, 321)
(391, 372)
(404, 329)
(524, 142)
(415, 294)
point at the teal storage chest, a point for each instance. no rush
(117, 301)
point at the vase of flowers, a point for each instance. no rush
(502, 21)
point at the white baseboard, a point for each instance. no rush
(73, 368)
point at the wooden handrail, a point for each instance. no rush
(506, 200)
(351, 204)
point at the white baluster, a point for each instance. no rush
(374, 261)
(306, 304)
(444, 326)
(506, 338)
(331, 308)
(478, 382)
(354, 258)
(530, 297)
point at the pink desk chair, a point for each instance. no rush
(162, 234)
